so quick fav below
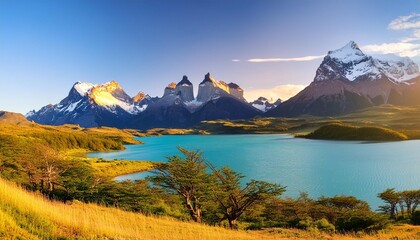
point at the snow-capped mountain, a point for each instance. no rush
(92, 105)
(350, 63)
(347, 80)
(263, 104)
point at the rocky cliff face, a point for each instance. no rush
(185, 89)
(236, 91)
(211, 88)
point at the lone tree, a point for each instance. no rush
(187, 177)
(392, 198)
(233, 199)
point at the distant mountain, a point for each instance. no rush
(178, 107)
(90, 105)
(263, 104)
(348, 80)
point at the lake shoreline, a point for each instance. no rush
(323, 167)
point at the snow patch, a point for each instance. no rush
(83, 87)
(71, 106)
(260, 107)
(348, 53)
(106, 99)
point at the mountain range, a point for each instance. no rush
(346, 80)
(107, 104)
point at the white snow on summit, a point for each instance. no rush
(83, 87)
(106, 99)
(350, 62)
(348, 53)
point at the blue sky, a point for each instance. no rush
(46, 46)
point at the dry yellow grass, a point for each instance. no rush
(25, 215)
(30, 216)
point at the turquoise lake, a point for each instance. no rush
(361, 169)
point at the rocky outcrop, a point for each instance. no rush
(211, 88)
(170, 89)
(185, 89)
(236, 91)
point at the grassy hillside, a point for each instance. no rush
(29, 216)
(25, 215)
(402, 119)
(24, 146)
(14, 118)
(347, 132)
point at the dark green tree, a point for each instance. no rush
(187, 177)
(392, 198)
(411, 199)
(234, 199)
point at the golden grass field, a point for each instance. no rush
(25, 215)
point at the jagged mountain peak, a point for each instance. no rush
(171, 85)
(184, 82)
(207, 78)
(234, 86)
(211, 88)
(83, 87)
(349, 63)
(264, 104)
(139, 97)
(349, 53)
(109, 86)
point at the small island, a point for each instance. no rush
(337, 131)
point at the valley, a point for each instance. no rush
(210, 119)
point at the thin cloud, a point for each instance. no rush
(405, 22)
(236, 60)
(404, 49)
(415, 36)
(297, 59)
(283, 92)
(408, 46)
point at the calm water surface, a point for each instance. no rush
(317, 167)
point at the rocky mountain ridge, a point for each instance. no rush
(348, 80)
(107, 104)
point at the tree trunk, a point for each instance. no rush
(232, 223)
(393, 211)
(402, 209)
(195, 212)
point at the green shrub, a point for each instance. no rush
(361, 221)
(324, 225)
(415, 219)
